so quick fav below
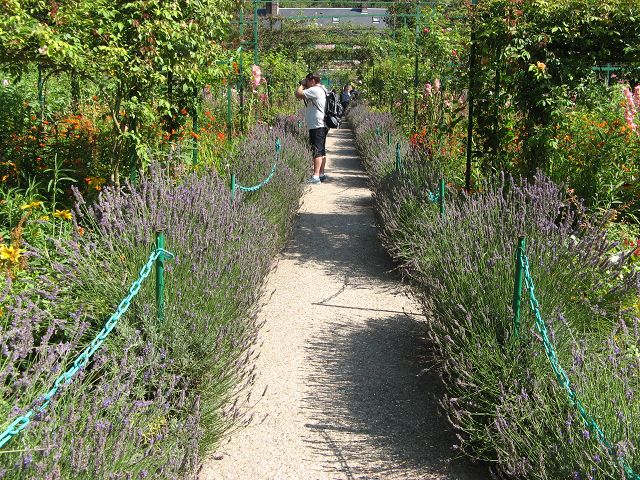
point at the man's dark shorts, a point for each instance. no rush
(318, 139)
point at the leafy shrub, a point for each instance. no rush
(595, 154)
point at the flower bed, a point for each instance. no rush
(502, 395)
(159, 394)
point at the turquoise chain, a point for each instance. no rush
(433, 197)
(261, 184)
(561, 375)
(81, 361)
(269, 177)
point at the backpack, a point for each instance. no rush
(333, 110)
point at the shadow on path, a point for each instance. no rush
(369, 396)
(343, 244)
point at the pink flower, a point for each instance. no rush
(437, 85)
(428, 89)
(632, 102)
(256, 77)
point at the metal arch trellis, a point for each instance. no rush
(395, 16)
(417, 16)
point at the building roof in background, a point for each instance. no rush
(372, 17)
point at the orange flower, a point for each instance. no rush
(220, 136)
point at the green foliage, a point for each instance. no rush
(170, 53)
(534, 65)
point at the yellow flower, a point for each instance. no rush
(31, 205)
(44, 218)
(66, 214)
(10, 253)
(541, 66)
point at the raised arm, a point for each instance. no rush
(300, 92)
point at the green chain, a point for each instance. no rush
(561, 375)
(82, 360)
(433, 197)
(269, 177)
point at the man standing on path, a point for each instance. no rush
(315, 96)
(345, 97)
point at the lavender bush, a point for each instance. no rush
(158, 395)
(255, 159)
(502, 395)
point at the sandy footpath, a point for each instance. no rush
(344, 395)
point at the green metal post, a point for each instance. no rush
(255, 33)
(241, 70)
(133, 155)
(398, 159)
(389, 139)
(41, 91)
(278, 147)
(496, 95)
(233, 187)
(196, 130)
(378, 131)
(299, 125)
(229, 111)
(472, 73)
(415, 70)
(241, 89)
(393, 73)
(441, 197)
(373, 76)
(160, 277)
(517, 288)
(133, 162)
(75, 92)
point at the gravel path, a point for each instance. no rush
(343, 394)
